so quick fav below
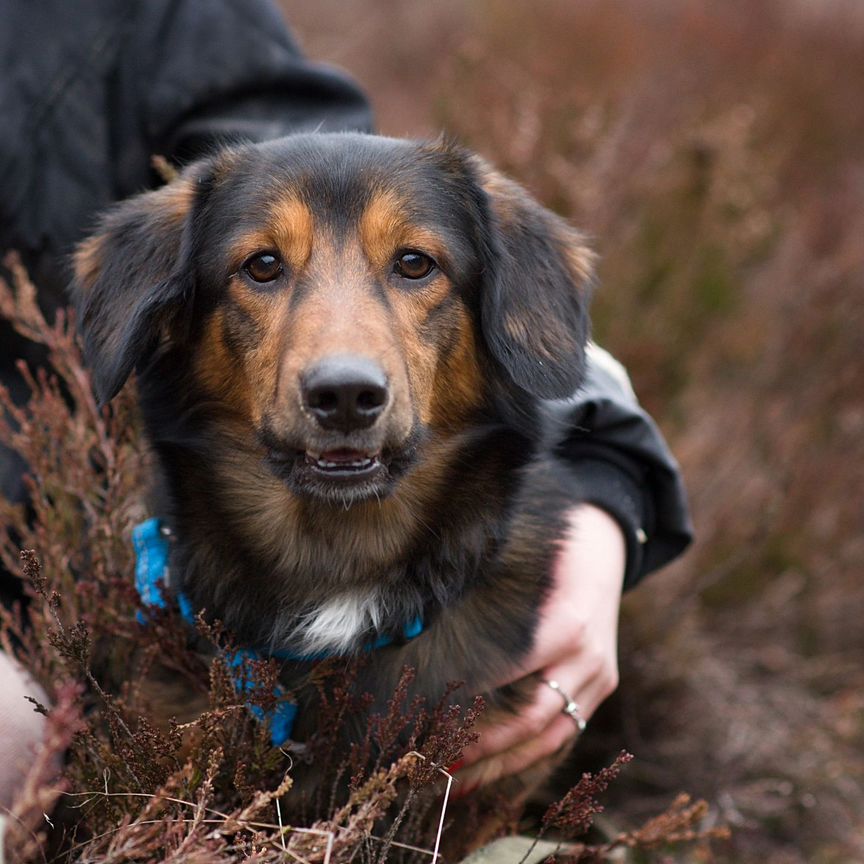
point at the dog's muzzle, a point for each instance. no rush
(345, 453)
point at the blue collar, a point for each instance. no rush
(150, 541)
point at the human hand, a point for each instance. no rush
(576, 645)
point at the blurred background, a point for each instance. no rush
(713, 150)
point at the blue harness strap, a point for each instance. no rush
(281, 718)
(151, 567)
(150, 541)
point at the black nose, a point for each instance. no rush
(344, 392)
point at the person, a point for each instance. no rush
(91, 91)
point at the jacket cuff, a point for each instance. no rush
(613, 489)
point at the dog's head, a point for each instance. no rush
(338, 297)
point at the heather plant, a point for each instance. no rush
(118, 778)
(135, 779)
(713, 152)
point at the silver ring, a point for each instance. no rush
(571, 707)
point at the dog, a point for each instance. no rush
(344, 344)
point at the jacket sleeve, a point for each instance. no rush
(198, 74)
(624, 464)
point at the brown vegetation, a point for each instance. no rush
(137, 785)
(714, 151)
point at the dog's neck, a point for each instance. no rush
(327, 576)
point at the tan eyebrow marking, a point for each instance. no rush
(385, 227)
(293, 230)
(289, 230)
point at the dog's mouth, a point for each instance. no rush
(339, 473)
(343, 463)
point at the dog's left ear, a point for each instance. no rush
(538, 276)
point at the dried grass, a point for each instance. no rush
(715, 152)
(135, 788)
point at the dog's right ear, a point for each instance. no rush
(131, 279)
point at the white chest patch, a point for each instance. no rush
(336, 625)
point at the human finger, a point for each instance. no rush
(517, 759)
(497, 735)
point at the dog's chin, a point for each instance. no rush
(342, 476)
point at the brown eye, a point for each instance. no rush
(264, 267)
(414, 265)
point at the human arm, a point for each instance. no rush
(624, 464)
(636, 520)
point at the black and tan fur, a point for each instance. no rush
(459, 518)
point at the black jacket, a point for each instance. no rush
(91, 89)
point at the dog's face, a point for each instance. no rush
(339, 300)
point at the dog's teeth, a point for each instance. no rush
(360, 463)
